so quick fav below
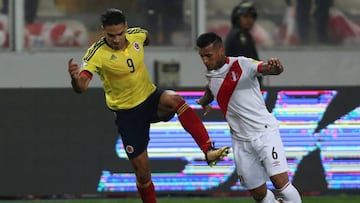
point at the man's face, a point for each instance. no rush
(115, 35)
(212, 56)
(246, 21)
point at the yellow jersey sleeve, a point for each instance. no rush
(91, 65)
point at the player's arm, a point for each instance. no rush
(79, 81)
(205, 100)
(272, 67)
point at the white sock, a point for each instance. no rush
(289, 194)
(269, 198)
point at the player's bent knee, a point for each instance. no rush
(167, 117)
(171, 99)
(173, 96)
(259, 193)
(280, 180)
(170, 92)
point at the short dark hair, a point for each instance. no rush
(208, 38)
(112, 16)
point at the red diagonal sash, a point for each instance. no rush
(228, 86)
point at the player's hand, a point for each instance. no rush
(275, 66)
(73, 69)
(207, 108)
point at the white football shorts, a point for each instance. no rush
(260, 158)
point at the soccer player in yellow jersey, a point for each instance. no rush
(118, 58)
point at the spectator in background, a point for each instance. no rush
(321, 17)
(239, 41)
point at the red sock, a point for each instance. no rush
(148, 193)
(193, 125)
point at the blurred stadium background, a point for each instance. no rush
(48, 152)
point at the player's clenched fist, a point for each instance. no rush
(79, 81)
(73, 69)
(275, 66)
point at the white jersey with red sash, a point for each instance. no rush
(237, 91)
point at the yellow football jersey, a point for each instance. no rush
(123, 73)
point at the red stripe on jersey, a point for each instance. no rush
(87, 73)
(227, 60)
(259, 67)
(228, 86)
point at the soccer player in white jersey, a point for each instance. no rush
(258, 150)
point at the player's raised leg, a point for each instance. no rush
(170, 101)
